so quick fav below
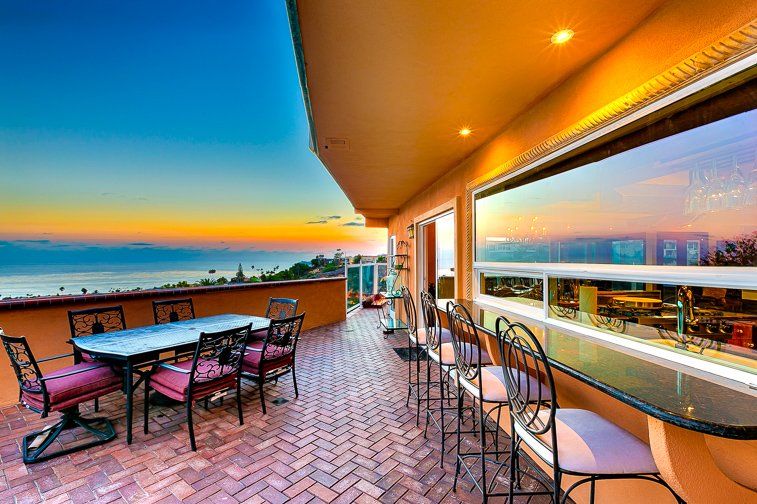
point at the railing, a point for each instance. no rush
(44, 320)
(363, 280)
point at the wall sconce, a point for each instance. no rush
(411, 232)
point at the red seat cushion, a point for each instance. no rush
(174, 384)
(251, 362)
(69, 391)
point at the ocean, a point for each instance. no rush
(47, 279)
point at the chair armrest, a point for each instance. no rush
(54, 357)
(71, 373)
(174, 368)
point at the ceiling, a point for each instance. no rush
(398, 79)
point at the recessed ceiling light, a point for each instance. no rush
(464, 132)
(562, 36)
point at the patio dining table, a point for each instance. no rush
(130, 347)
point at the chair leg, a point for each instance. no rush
(428, 392)
(513, 458)
(192, 443)
(441, 413)
(409, 371)
(147, 406)
(496, 432)
(262, 394)
(459, 428)
(592, 490)
(417, 385)
(101, 428)
(558, 482)
(294, 379)
(239, 400)
(482, 427)
(97, 404)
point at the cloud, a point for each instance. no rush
(141, 244)
(32, 241)
(355, 224)
(318, 222)
(333, 217)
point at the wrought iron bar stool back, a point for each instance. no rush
(173, 310)
(465, 341)
(61, 390)
(596, 449)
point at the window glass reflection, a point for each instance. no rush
(524, 290)
(715, 324)
(686, 200)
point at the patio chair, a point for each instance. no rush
(281, 308)
(436, 338)
(94, 321)
(571, 441)
(61, 390)
(214, 368)
(484, 384)
(275, 357)
(173, 310)
(416, 342)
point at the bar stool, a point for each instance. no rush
(587, 445)
(415, 341)
(485, 384)
(436, 337)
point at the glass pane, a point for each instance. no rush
(714, 324)
(353, 286)
(368, 280)
(445, 257)
(686, 200)
(382, 272)
(520, 289)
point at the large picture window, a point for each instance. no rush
(626, 247)
(685, 200)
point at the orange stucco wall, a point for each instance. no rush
(670, 34)
(47, 330)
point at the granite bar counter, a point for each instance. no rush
(685, 407)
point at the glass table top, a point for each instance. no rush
(158, 338)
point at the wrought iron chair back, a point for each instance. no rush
(409, 304)
(96, 320)
(432, 321)
(465, 341)
(173, 310)
(282, 337)
(24, 364)
(218, 355)
(523, 355)
(281, 308)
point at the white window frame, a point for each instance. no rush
(705, 276)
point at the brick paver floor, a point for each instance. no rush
(347, 438)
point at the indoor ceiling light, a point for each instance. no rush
(562, 36)
(464, 132)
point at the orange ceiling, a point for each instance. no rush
(399, 78)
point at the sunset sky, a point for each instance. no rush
(174, 124)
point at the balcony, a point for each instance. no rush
(349, 437)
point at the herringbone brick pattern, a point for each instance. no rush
(347, 438)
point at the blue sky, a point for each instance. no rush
(173, 123)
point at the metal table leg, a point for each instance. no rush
(129, 399)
